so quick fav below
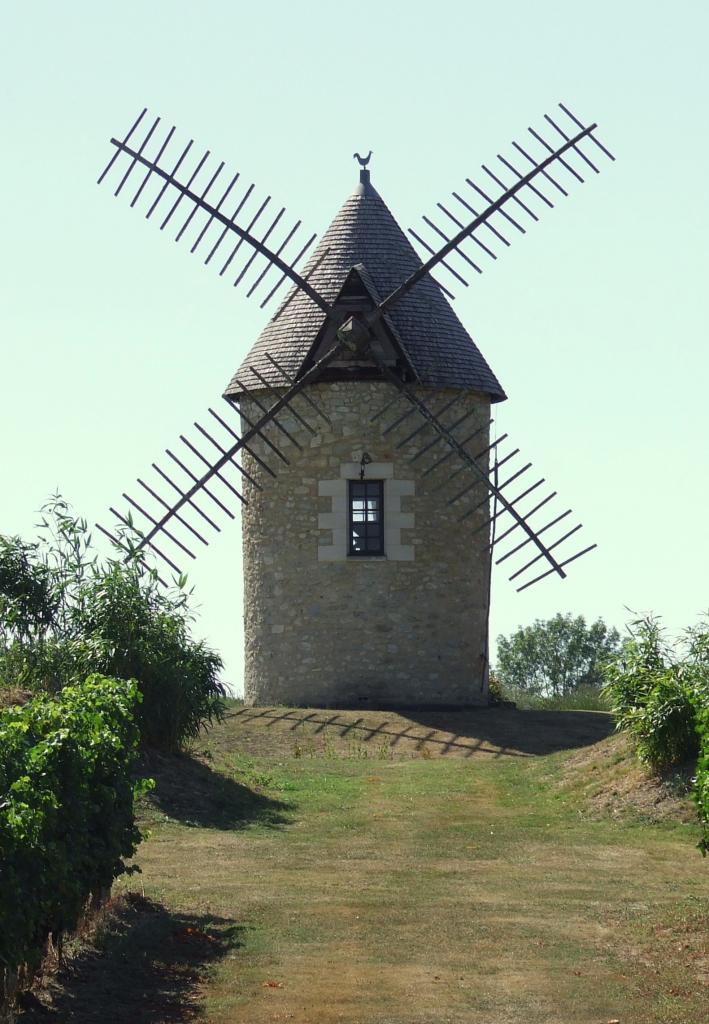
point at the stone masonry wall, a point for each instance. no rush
(328, 630)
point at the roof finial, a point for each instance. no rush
(364, 170)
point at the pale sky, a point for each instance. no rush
(114, 339)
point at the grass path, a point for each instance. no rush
(324, 877)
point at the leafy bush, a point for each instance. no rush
(495, 690)
(65, 614)
(665, 726)
(631, 676)
(136, 632)
(655, 696)
(66, 808)
(554, 657)
(660, 695)
(25, 589)
(701, 782)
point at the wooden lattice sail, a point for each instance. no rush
(360, 305)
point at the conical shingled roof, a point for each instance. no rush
(365, 234)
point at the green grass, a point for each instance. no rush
(584, 698)
(406, 889)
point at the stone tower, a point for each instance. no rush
(362, 585)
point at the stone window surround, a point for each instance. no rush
(394, 519)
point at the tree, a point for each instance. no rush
(554, 657)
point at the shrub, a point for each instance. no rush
(665, 726)
(136, 631)
(631, 675)
(655, 696)
(25, 589)
(701, 782)
(495, 689)
(65, 614)
(661, 697)
(66, 808)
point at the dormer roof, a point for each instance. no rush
(422, 326)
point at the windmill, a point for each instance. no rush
(356, 434)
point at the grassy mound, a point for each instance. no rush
(405, 869)
(607, 778)
(283, 732)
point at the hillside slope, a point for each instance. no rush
(308, 866)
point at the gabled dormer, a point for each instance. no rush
(363, 257)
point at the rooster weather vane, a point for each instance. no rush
(178, 507)
(363, 161)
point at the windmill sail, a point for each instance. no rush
(361, 301)
(200, 472)
(246, 244)
(480, 482)
(508, 195)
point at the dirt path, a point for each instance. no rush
(350, 879)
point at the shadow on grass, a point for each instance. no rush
(189, 791)
(530, 732)
(144, 966)
(496, 731)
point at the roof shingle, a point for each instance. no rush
(441, 351)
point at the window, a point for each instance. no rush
(365, 520)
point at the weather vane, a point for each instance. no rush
(362, 160)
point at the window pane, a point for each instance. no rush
(365, 507)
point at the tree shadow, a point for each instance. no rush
(145, 965)
(191, 792)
